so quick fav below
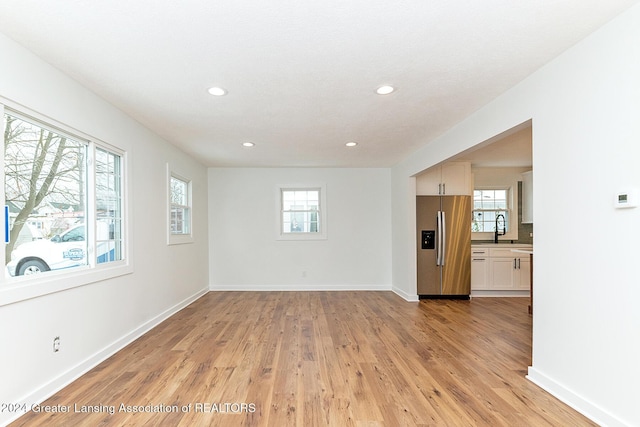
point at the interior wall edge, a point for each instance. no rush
(404, 295)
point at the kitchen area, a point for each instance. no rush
(474, 222)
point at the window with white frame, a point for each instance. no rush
(63, 199)
(302, 213)
(492, 207)
(180, 230)
(488, 205)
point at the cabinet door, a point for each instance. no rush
(502, 273)
(479, 273)
(453, 179)
(429, 182)
(524, 274)
(456, 178)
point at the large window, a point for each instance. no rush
(302, 214)
(63, 199)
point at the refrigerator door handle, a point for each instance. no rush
(444, 237)
(438, 238)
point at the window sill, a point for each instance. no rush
(301, 236)
(23, 288)
(486, 236)
(179, 239)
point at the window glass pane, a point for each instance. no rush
(179, 224)
(107, 252)
(300, 211)
(108, 206)
(179, 191)
(45, 192)
(180, 221)
(313, 222)
(477, 204)
(476, 223)
(297, 222)
(487, 205)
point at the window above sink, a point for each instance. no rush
(489, 204)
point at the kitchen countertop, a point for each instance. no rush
(522, 251)
(503, 245)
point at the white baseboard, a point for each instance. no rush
(298, 287)
(574, 400)
(301, 287)
(66, 378)
(405, 296)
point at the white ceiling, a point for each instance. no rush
(512, 148)
(301, 74)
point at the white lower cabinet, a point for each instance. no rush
(479, 269)
(499, 269)
(503, 273)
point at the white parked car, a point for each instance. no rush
(61, 251)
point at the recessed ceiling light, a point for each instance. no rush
(351, 144)
(385, 90)
(248, 144)
(217, 91)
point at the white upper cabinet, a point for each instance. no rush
(527, 197)
(452, 178)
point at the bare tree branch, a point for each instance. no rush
(40, 166)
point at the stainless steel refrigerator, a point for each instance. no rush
(444, 246)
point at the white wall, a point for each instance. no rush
(97, 319)
(243, 224)
(585, 107)
(498, 176)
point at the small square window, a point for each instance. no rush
(302, 213)
(300, 209)
(487, 205)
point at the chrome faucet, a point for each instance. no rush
(504, 228)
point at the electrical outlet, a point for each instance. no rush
(56, 344)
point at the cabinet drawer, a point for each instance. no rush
(479, 252)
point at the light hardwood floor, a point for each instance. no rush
(321, 359)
